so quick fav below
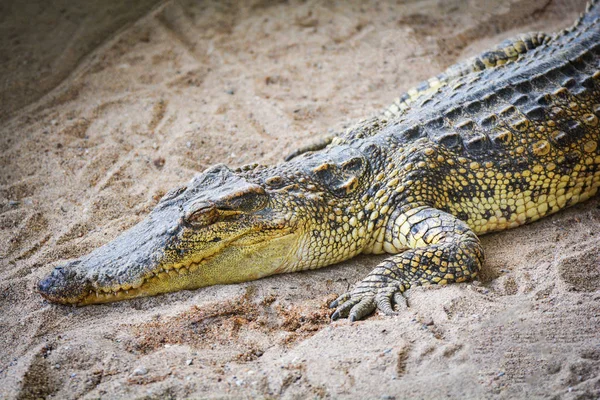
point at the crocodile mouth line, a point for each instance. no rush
(131, 290)
(136, 289)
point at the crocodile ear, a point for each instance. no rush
(347, 187)
(342, 178)
(355, 165)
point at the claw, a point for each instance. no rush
(384, 303)
(365, 307)
(344, 309)
(335, 316)
(400, 300)
(340, 300)
(364, 301)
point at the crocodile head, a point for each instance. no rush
(223, 227)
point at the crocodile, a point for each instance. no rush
(494, 142)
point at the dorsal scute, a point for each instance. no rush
(494, 114)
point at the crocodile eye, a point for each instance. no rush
(201, 214)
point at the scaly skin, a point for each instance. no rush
(495, 142)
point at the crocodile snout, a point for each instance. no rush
(64, 282)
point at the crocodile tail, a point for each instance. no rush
(586, 28)
(590, 17)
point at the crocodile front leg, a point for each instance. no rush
(442, 249)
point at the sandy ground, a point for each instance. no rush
(114, 106)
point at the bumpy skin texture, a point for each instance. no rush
(495, 142)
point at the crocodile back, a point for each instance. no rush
(490, 114)
(507, 145)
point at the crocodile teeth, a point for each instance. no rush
(163, 273)
(137, 284)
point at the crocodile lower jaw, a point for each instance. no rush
(163, 280)
(128, 291)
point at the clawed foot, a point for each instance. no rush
(358, 304)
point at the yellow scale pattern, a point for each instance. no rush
(542, 169)
(495, 142)
(536, 140)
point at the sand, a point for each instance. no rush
(116, 105)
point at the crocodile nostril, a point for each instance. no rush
(57, 280)
(45, 285)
